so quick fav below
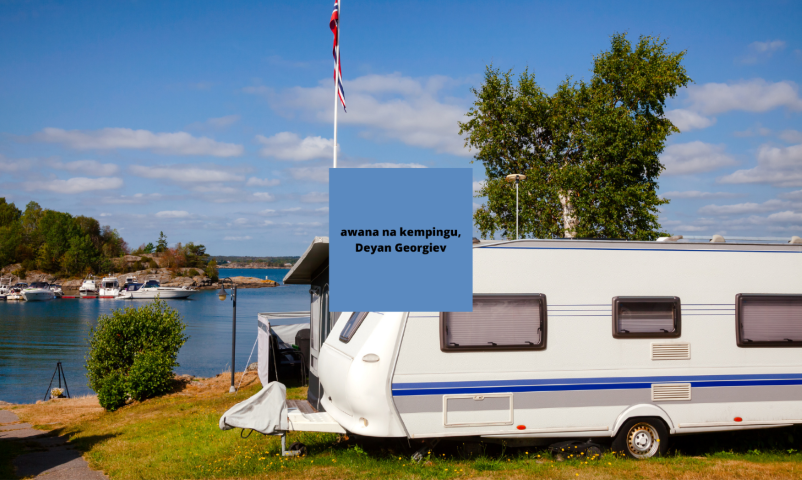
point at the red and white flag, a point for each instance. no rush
(334, 24)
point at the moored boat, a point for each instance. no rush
(152, 289)
(56, 289)
(109, 287)
(37, 292)
(88, 287)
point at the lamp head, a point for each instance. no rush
(221, 294)
(515, 178)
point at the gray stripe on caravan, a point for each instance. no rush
(606, 398)
(470, 404)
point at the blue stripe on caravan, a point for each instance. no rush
(613, 383)
(589, 386)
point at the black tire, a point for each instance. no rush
(298, 447)
(642, 438)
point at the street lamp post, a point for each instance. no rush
(516, 177)
(221, 294)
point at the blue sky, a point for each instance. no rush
(211, 121)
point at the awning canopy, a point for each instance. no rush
(316, 255)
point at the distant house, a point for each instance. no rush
(288, 265)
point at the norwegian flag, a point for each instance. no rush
(334, 25)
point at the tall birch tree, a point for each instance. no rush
(590, 151)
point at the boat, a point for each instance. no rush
(5, 286)
(14, 293)
(152, 289)
(38, 291)
(109, 287)
(56, 289)
(88, 287)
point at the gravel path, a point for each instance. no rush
(52, 458)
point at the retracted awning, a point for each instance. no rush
(316, 255)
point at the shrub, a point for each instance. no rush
(211, 271)
(111, 392)
(152, 263)
(150, 375)
(191, 273)
(134, 351)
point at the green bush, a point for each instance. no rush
(111, 393)
(150, 376)
(192, 273)
(134, 349)
(152, 263)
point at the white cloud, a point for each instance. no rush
(742, 208)
(75, 185)
(310, 174)
(263, 197)
(786, 217)
(791, 136)
(173, 214)
(217, 189)
(237, 239)
(92, 167)
(8, 166)
(757, 51)
(185, 174)
(289, 146)
(177, 143)
(755, 95)
(135, 199)
(267, 212)
(778, 166)
(694, 157)
(315, 197)
(415, 111)
(221, 122)
(697, 194)
(391, 165)
(796, 195)
(261, 182)
(687, 120)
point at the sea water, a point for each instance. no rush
(36, 335)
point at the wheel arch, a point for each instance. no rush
(643, 410)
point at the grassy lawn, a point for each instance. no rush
(177, 437)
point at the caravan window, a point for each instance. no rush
(497, 322)
(352, 325)
(646, 317)
(768, 320)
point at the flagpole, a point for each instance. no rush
(336, 81)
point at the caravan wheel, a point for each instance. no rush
(642, 438)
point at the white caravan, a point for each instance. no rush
(577, 338)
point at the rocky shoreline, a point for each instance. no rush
(181, 277)
(250, 265)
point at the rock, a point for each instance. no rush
(186, 378)
(252, 367)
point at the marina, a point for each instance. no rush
(36, 335)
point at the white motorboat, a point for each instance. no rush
(14, 293)
(37, 292)
(152, 289)
(88, 287)
(109, 287)
(5, 285)
(56, 289)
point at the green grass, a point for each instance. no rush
(177, 437)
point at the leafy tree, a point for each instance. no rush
(10, 240)
(211, 271)
(149, 248)
(589, 151)
(80, 257)
(9, 213)
(161, 245)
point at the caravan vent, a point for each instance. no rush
(669, 392)
(671, 351)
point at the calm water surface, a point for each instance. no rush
(36, 335)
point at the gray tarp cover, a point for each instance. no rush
(265, 412)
